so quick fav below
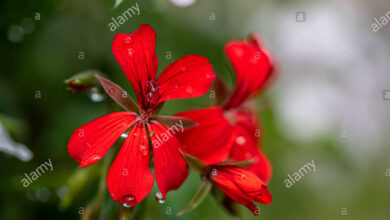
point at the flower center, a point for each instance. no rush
(152, 89)
(151, 97)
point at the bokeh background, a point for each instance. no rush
(327, 105)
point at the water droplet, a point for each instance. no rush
(240, 140)
(96, 97)
(159, 198)
(95, 158)
(124, 135)
(183, 68)
(248, 155)
(128, 200)
(189, 89)
(111, 91)
(127, 40)
(143, 150)
(239, 52)
(130, 51)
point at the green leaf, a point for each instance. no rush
(119, 95)
(76, 183)
(202, 193)
(196, 163)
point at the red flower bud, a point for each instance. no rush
(242, 186)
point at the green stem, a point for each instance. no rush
(125, 213)
(93, 209)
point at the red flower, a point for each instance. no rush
(241, 186)
(129, 179)
(233, 129)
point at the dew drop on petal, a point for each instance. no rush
(111, 91)
(189, 89)
(159, 198)
(128, 200)
(248, 155)
(127, 40)
(143, 150)
(240, 140)
(183, 68)
(239, 52)
(130, 51)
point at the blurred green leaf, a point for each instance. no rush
(76, 183)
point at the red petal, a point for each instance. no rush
(129, 179)
(252, 66)
(191, 76)
(211, 140)
(170, 167)
(135, 53)
(246, 145)
(90, 142)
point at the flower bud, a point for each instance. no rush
(242, 186)
(83, 81)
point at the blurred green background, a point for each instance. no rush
(328, 104)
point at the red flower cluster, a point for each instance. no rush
(232, 129)
(225, 134)
(129, 178)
